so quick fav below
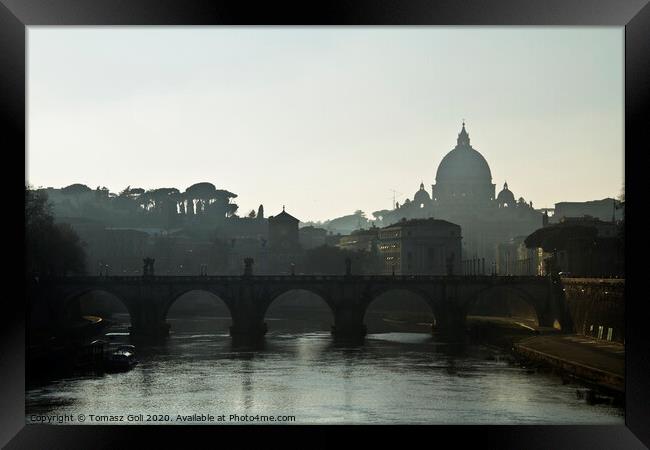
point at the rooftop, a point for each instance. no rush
(284, 216)
(420, 222)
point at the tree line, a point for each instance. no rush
(52, 249)
(133, 206)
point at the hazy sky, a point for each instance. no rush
(325, 120)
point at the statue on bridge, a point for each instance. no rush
(248, 267)
(450, 264)
(147, 268)
(348, 266)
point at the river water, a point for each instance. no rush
(394, 377)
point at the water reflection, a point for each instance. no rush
(393, 377)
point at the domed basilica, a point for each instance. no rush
(464, 194)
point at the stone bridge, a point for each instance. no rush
(148, 298)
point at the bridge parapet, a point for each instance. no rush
(310, 278)
(598, 281)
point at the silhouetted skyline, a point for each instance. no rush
(325, 120)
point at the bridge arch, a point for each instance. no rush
(312, 290)
(304, 304)
(505, 301)
(405, 307)
(213, 297)
(74, 306)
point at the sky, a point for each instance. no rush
(325, 120)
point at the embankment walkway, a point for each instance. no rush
(597, 361)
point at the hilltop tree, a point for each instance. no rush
(131, 193)
(76, 188)
(198, 196)
(205, 198)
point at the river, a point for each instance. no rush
(393, 378)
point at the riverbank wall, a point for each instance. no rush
(596, 307)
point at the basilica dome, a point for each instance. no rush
(464, 163)
(506, 197)
(421, 196)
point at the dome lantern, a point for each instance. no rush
(463, 137)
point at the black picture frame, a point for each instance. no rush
(634, 15)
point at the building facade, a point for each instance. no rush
(421, 247)
(360, 240)
(285, 251)
(581, 247)
(607, 210)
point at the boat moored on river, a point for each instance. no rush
(120, 359)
